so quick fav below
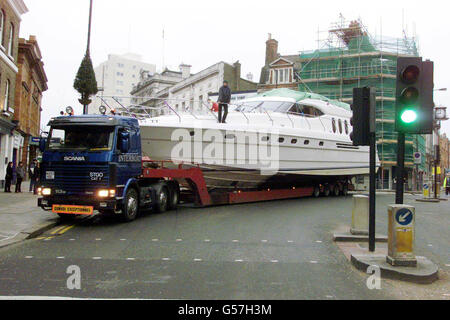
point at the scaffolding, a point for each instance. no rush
(348, 56)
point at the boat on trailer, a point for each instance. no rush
(281, 138)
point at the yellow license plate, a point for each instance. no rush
(72, 209)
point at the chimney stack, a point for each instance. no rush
(185, 70)
(271, 50)
(237, 74)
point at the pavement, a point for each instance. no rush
(273, 250)
(20, 218)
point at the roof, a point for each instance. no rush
(300, 95)
(99, 120)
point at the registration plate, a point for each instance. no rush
(57, 208)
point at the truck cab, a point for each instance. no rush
(94, 163)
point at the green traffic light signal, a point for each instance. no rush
(408, 116)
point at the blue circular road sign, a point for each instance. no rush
(404, 216)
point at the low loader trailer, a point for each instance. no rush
(94, 163)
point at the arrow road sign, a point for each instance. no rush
(404, 217)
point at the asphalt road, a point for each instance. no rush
(272, 250)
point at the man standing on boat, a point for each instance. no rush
(224, 100)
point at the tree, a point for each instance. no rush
(85, 82)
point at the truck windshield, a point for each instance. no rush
(81, 138)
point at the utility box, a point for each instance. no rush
(360, 215)
(401, 235)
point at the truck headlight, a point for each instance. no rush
(46, 191)
(105, 193)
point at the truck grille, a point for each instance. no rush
(77, 179)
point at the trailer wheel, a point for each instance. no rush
(345, 191)
(316, 192)
(326, 191)
(162, 200)
(174, 196)
(130, 206)
(336, 190)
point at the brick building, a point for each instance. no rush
(444, 146)
(10, 140)
(31, 82)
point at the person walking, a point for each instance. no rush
(33, 172)
(20, 172)
(9, 177)
(224, 100)
(447, 185)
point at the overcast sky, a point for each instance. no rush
(203, 32)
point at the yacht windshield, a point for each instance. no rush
(81, 138)
(272, 106)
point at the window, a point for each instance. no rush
(280, 140)
(333, 122)
(346, 126)
(2, 25)
(340, 126)
(120, 74)
(265, 139)
(120, 65)
(306, 142)
(310, 111)
(280, 76)
(294, 141)
(81, 138)
(321, 143)
(7, 96)
(11, 40)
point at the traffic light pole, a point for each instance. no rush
(400, 168)
(372, 190)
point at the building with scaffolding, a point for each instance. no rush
(348, 57)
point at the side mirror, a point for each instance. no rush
(42, 144)
(124, 142)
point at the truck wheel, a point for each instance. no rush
(336, 190)
(162, 200)
(326, 191)
(174, 197)
(130, 206)
(316, 192)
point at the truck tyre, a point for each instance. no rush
(130, 205)
(316, 192)
(336, 190)
(174, 196)
(162, 200)
(326, 191)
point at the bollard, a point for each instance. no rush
(360, 215)
(401, 236)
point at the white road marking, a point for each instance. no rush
(97, 258)
(98, 239)
(430, 245)
(313, 262)
(60, 258)
(264, 241)
(71, 239)
(238, 260)
(179, 240)
(155, 240)
(197, 260)
(123, 239)
(274, 261)
(166, 259)
(207, 240)
(318, 241)
(329, 297)
(131, 259)
(290, 241)
(29, 257)
(47, 239)
(235, 240)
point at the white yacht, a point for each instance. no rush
(281, 137)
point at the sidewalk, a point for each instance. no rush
(20, 218)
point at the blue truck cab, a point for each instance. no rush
(94, 163)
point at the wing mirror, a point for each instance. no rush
(42, 144)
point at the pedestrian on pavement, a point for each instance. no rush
(447, 185)
(33, 172)
(20, 172)
(224, 101)
(9, 177)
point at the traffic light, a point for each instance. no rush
(360, 120)
(414, 96)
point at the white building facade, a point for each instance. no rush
(116, 77)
